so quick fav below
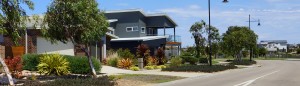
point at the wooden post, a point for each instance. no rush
(10, 79)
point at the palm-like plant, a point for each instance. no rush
(53, 64)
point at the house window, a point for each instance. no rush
(143, 30)
(131, 29)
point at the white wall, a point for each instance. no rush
(44, 46)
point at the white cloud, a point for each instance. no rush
(194, 6)
(122, 4)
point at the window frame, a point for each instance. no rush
(143, 29)
(129, 30)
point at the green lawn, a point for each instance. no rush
(148, 78)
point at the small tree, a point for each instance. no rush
(197, 31)
(78, 21)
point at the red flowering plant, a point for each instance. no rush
(15, 66)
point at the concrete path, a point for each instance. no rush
(115, 71)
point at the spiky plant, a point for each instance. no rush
(125, 63)
(53, 64)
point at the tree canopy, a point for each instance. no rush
(78, 21)
(13, 17)
(238, 38)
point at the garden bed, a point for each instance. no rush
(242, 62)
(200, 68)
(67, 80)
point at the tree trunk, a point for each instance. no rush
(10, 79)
(86, 50)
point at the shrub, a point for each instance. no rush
(160, 54)
(125, 63)
(243, 62)
(162, 66)
(15, 66)
(80, 65)
(175, 62)
(112, 61)
(157, 67)
(30, 61)
(149, 67)
(200, 68)
(135, 68)
(151, 61)
(203, 60)
(143, 51)
(191, 59)
(125, 53)
(53, 64)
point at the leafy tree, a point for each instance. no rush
(236, 39)
(13, 17)
(78, 21)
(215, 39)
(197, 31)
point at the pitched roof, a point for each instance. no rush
(142, 12)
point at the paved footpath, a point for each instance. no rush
(114, 71)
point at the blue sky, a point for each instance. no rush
(280, 19)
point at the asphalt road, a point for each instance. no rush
(271, 73)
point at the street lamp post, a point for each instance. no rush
(251, 49)
(209, 31)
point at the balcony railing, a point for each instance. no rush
(170, 38)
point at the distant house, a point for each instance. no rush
(274, 45)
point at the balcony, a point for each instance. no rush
(111, 32)
(170, 38)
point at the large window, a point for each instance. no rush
(131, 29)
(143, 30)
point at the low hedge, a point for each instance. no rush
(199, 68)
(242, 62)
(78, 65)
(30, 61)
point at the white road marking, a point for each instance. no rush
(246, 83)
